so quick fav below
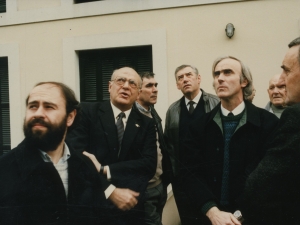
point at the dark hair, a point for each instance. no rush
(69, 96)
(147, 75)
(296, 42)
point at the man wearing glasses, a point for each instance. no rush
(122, 144)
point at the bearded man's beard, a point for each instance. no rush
(47, 140)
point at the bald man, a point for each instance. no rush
(277, 96)
(122, 144)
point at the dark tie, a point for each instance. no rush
(120, 129)
(230, 114)
(191, 109)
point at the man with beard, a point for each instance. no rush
(43, 181)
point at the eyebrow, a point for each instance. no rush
(44, 103)
(151, 84)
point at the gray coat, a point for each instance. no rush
(172, 127)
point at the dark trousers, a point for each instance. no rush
(156, 198)
(187, 213)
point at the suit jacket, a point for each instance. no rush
(205, 141)
(272, 193)
(31, 190)
(97, 134)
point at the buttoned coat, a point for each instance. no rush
(97, 134)
(171, 133)
(32, 192)
(205, 142)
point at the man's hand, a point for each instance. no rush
(93, 159)
(124, 199)
(218, 217)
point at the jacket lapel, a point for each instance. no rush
(132, 128)
(106, 116)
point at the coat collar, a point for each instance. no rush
(253, 115)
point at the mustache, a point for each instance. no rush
(37, 120)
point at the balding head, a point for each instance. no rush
(276, 91)
(124, 88)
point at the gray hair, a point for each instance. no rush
(296, 42)
(246, 75)
(184, 66)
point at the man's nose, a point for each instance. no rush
(281, 80)
(155, 89)
(39, 112)
(126, 84)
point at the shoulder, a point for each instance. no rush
(87, 106)
(175, 105)
(261, 116)
(210, 96)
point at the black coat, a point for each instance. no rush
(97, 134)
(31, 190)
(136, 165)
(205, 142)
(272, 192)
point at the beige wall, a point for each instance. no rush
(193, 34)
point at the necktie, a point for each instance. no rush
(191, 109)
(230, 114)
(120, 129)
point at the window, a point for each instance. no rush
(2, 6)
(96, 67)
(4, 107)
(84, 1)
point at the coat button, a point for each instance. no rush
(217, 149)
(215, 179)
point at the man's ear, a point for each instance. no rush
(244, 83)
(71, 117)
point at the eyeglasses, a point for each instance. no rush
(122, 80)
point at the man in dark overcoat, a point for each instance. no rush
(43, 180)
(227, 144)
(272, 193)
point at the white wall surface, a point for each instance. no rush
(193, 34)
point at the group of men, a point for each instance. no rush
(229, 162)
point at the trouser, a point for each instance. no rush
(156, 198)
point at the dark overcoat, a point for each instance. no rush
(272, 192)
(205, 142)
(32, 192)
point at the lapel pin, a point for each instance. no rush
(137, 125)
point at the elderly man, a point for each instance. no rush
(194, 103)
(156, 193)
(228, 144)
(272, 191)
(43, 180)
(276, 93)
(122, 144)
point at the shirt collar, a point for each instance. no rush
(196, 99)
(141, 108)
(117, 111)
(66, 155)
(239, 109)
